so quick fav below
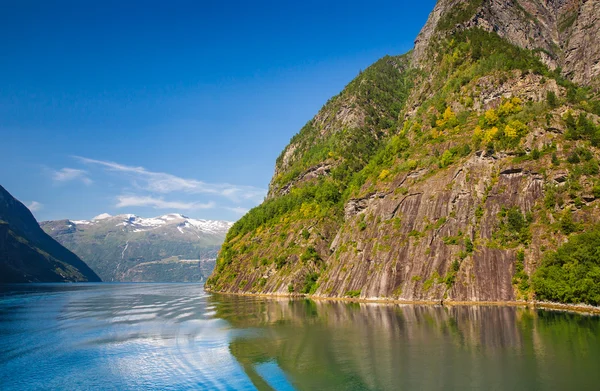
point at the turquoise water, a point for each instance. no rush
(176, 337)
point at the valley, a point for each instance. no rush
(129, 248)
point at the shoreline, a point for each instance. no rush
(584, 309)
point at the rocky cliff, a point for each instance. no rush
(27, 254)
(448, 173)
(563, 33)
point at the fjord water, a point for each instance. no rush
(176, 336)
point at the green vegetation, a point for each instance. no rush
(469, 247)
(28, 254)
(280, 262)
(469, 55)
(385, 157)
(460, 13)
(521, 279)
(310, 283)
(305, 234)
(452, 240)
(572, 273)
(365, 143)
(433, 279)
(567, 21)
(380, 92)
(567, 225)
(582, 129)
(499, 129)
(551, 99)
(513, 228)
(451, 275)
(362, 224)
(324, 196)
(310, 254)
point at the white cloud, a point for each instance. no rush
(34, 206)
(125, 201)
(70, 174)
(160, 182)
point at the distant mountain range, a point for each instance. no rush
(169, 248)
(28, 254)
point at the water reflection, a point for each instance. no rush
(114, 336)
(177, 337)
(333, 345)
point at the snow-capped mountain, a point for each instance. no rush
(133, 223)
(127, 247)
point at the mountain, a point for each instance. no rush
(27, 254)
(169, 248)
(464, 170)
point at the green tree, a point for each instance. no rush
(572, 273)
(551, 99)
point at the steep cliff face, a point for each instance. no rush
(445, 173)
(347, 129)
(563, 33)
(28, 254)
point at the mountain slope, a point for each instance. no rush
(27, 254)
(170, 248)
(562, 33)
(448, 173)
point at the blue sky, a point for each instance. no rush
(173, 106)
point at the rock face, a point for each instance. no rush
(27, 254)
(443, 174)
(564, 33)
(433, 211)
(169, 248)
(582, 51)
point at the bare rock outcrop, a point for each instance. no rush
(564, 33)
(409, 244)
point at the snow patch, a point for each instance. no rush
(102, 216)
(184, 224)
(80, 222)
(153, 222)
(172, 216)
(210, 226)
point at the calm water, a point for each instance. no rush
(175, 336)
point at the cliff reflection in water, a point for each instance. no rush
(336, 345)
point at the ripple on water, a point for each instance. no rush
(118, 336)
(175, 337)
